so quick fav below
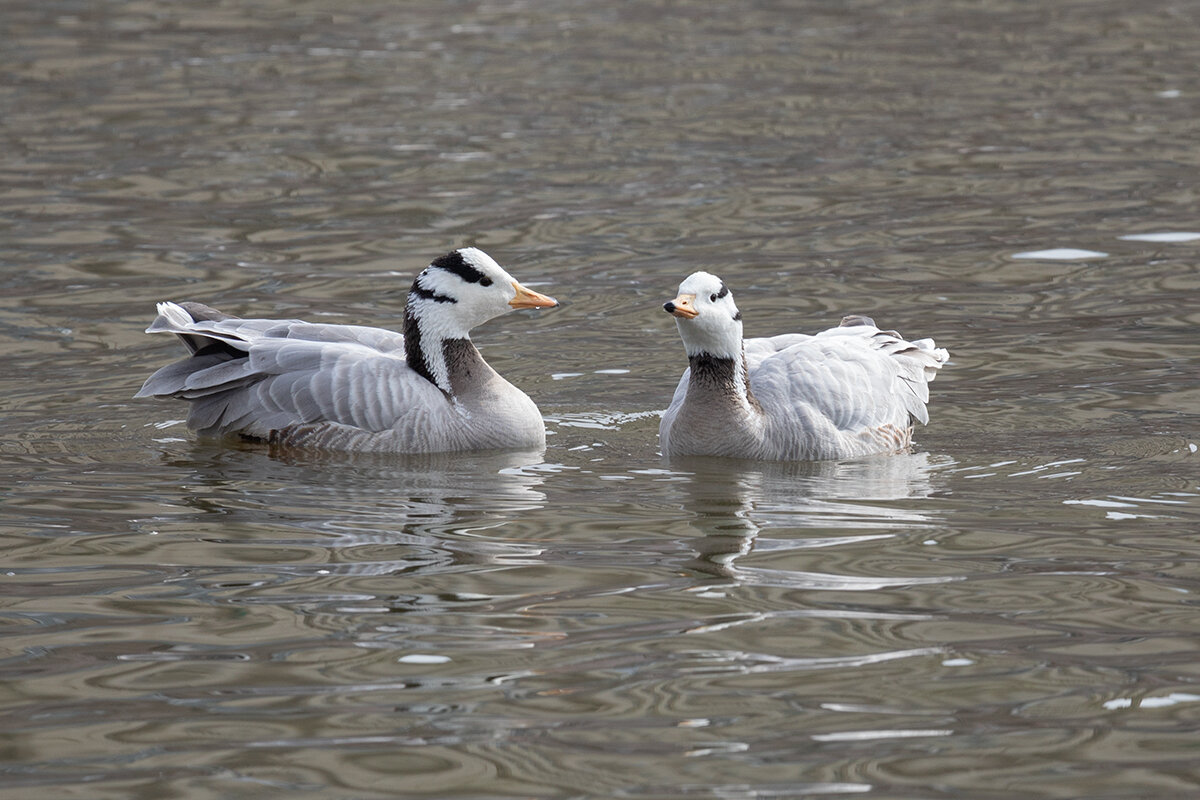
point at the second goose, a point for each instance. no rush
(848, 391)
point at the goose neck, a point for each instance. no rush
(434, 356)
(724, 378)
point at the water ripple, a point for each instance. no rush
(1009, 608)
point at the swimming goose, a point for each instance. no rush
(349, 387)
(844, 392)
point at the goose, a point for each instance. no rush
(357, 388)
(849, 391)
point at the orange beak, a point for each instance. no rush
(683, 306)
(527, 298)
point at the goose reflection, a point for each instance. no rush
(371, 514)
(732, 502)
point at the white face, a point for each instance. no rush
(460, 290)
(463, 289)
(706, 316)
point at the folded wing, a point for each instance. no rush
(254, 376)
(855, 376)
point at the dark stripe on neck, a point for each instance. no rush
(720, 374)
(414, 351)
(454, 262)
(710, 370)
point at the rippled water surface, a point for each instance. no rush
(1008, 611)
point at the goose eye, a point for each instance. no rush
(712, 298)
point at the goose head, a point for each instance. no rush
(708, 320)
(463, 289)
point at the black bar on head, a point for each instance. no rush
(454, 262)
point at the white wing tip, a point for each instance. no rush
(170, 317)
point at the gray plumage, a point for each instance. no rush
(848, 391)
(350, 387)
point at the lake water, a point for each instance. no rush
(1008, 611)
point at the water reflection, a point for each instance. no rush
(730, 504)
(360, 514)
(504, 479)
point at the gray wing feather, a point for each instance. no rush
(226, 375)
(170, 380)
(293, 374)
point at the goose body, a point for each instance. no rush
(849, 391)
(356, 388)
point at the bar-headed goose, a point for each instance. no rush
(348, 387)
(844, 392)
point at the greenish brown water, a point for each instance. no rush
(1009, 611)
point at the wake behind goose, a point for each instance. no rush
(357, 388)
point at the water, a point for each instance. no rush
(1009, 611)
